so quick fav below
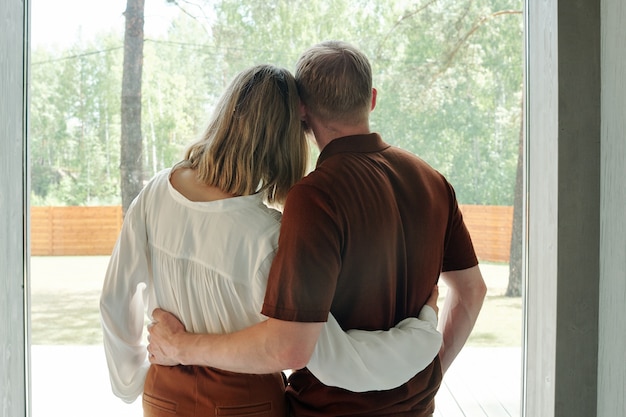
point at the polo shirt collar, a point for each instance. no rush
(354, 144)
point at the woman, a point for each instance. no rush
(198, 241)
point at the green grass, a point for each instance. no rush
(73, 318)
(65, 293)
(65, 318)
(499, 323)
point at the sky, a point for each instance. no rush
(57, 22)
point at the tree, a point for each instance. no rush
(74, 109)
(514, 286)
(131, 167)
(450, 79)
(179, 70)
(448, 75)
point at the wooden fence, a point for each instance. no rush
(490, 228)
(63, 231)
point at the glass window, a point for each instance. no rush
(449, 80)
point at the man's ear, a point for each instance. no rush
(374, 92)
(304, 119)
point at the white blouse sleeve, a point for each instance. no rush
(359, 360)
(123, 304)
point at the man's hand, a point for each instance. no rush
(432, 300)
(162, 338)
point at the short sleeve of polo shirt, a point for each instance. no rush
(459, 251)
(304, 273)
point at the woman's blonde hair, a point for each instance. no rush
(255, 141)
(335, 82)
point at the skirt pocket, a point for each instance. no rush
(260, 409)
(158, 403)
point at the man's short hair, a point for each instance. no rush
(335, 82)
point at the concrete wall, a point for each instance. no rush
(575, 363)
(612, 325)
(13, 350)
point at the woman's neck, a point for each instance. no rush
(186, 182)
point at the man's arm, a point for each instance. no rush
(270, 346)
(349, 360)
(466, 292)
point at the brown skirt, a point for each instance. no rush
(194, 391)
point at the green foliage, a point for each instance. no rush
(74, 140)
(450, 92)
(448, 75)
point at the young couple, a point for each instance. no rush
(340, 288)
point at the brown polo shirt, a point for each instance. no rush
(365, 236)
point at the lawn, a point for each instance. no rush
(65, 292)
(500, 320)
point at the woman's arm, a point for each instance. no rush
(122, 308)
(360, 361)
(355, 360)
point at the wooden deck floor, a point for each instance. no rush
(482, 382)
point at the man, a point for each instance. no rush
(365, 236)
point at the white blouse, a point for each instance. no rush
(207, 263)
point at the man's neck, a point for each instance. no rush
(326, 133)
